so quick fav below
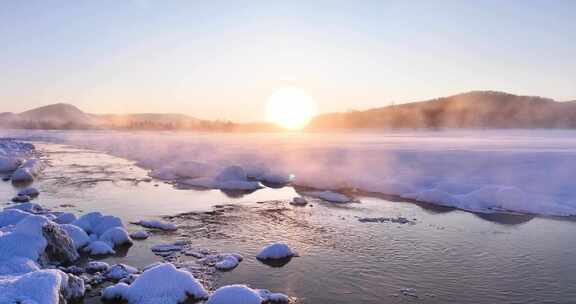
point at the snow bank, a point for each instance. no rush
(105, 233)
(160, 284)
(538, 163)
(275, 251)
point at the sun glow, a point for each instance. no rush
(292, 108)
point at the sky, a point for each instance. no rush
(223, 59)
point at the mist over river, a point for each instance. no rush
(348, 253)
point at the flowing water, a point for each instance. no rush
(441, 256)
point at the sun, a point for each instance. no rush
(290, 107)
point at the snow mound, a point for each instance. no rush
(275, 251)
(330, 196)
(160, 284)
(99, 248)
(235, 294)
(270, 297)
(29, 208)
(96, 223)
(11, 217)
(438, 197)
(154, 224)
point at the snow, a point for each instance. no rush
(120, 271)
(29, 208)
(140, 235)
(11, 217)
(99, 248)
(17, 265)
(329, 196)
(160, 284)
(228, 261)
(275, 251)
(269, 296)
(39, 287)
(155, 224)
(407, 164)
(116, 236)
(65, 218)
(24, 240)
(235, 294)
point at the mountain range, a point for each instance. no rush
(476, 109)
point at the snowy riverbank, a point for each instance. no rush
(481, 171)
(41, 250)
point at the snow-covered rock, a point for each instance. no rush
(232, 173)
(29, 191)
(25, 239)
(65, 218)
(119, 271)
(275, 251)
(29, 208)
(330, 196)
(59, 245)
(155, 224)
(97, 266)
(78, 236)
(116, 236)
(276, 178)
(160, 284)
(17, 265)
(235, 294)
(299, 201)
(43, 286)
(140, 235)
(8, 164)
(96, 223)
(228, 261)
(11, 216)
(271, 297)
(99, 248)
(438, 197)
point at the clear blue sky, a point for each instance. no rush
(222, 59)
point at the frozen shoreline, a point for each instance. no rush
(40, 247)
(480, 171)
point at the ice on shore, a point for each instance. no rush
(275, 251)
(406, 164)
(78, 236)
(329, 196)
(160, 284)
(155, 224)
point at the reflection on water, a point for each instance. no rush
(447, 256)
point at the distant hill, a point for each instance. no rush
(477, 109)
(67, 116)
